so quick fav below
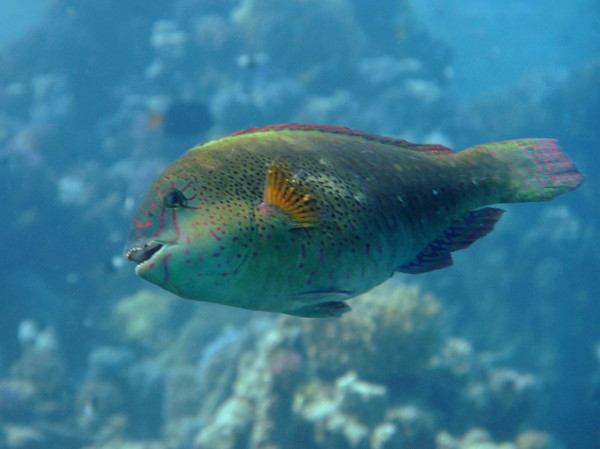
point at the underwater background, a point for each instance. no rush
(501, 350)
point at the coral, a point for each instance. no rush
(167, 40)
(478, 438)
(382, 377)
(183, 391)
(413, 424)
(144, 317)
(276, 402)
(47, 436)
(335, 39)
(511, 399)
(349, 406)
(75, 189)
(354, 413)
(467, 391)
(549, 102)
(196, 332)
(387, 70)
(534, 439)
(217, 367)
(392, 332)
(23, 437)
(456, 356)
(108, 363)
(145, 393)
(43, 367)
(337, 109)
(97, 401)
(132, 444)
(256, 101)
(229, 428)
(115, 374)
(213, 33)
(362, 399)
(16, 400)
(261, 400)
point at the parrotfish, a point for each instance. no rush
(299, 218)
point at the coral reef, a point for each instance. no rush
(382, 377)
(256, 386)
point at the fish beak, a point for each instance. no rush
(141, 253)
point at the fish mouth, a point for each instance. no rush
(142, 253)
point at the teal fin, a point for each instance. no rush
(328, 309)
(461, 234)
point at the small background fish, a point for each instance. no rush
(182, 118)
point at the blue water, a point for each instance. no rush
(92, 354)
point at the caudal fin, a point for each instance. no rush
(533, 169)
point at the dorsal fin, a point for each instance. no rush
(460, 234)
(432, 149)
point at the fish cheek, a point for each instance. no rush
(170, 270)
(215, 241)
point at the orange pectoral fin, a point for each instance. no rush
(289, 196)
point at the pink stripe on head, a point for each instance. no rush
(141, 225)
(175, 225)
(161, 226)
(165, 264)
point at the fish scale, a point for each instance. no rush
(299, 218)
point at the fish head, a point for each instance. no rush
(193, 231)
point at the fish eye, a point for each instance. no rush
(174, 198)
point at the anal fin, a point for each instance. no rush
(460, 234)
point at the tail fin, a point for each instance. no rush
(537, 170)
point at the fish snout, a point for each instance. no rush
(141, 253)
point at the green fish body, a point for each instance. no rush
(298, 218)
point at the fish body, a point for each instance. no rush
(299, 218)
